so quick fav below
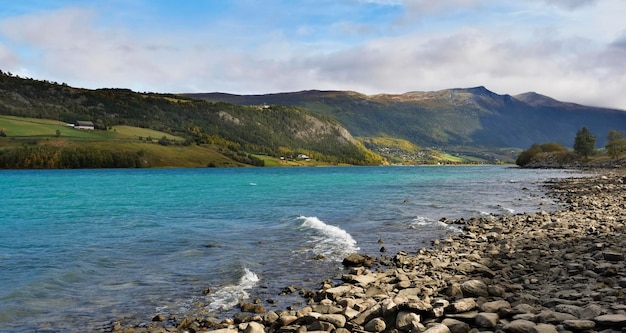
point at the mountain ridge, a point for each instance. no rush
(449, 118)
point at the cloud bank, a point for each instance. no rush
(569, 50)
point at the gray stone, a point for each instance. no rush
(495, 306)
(615, 320)
(544, 328)
(456, 326)
(568, 308)
(464, 305)
(590, 311)
(579, 325)
(613, 256)
(270, 318)
(553, 317)
(487, 320)
(337, 320)
(407, 321)
(519, 326)
(254, 327)
(336, 292)
(474, 288)
(496, 291)
(437, 328)
(375, 325)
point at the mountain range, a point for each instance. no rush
(469, 117)
(474, 124)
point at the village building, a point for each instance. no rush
(84, 125)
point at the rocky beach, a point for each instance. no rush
(561, 271)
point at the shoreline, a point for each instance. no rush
(532, 272)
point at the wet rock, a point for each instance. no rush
(355, 259)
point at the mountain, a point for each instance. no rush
(277, 131)
(449, 119)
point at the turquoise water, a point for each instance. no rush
(81, 248)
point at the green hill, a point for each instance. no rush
(238, 133)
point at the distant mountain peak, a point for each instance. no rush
(535, 99)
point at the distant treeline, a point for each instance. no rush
(50, 157)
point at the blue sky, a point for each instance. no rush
(572, 50)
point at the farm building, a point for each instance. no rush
(84, 125)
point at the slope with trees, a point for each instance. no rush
(456, 120)
(236, 130)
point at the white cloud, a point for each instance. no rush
(564, 58)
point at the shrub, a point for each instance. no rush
(526, 156)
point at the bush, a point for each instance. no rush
(525, 157)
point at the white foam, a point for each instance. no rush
(424, 221)
(229, 296)
(330, 241)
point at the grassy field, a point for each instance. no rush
(30, 131)
(19, 127)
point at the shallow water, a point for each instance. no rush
(80, 248)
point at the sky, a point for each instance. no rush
(571, 50)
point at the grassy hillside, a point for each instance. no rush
(240, 131)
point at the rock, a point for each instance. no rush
(487, 320)
(579, 325)
(437, 328)
(474, 288)
(254, 327)
(544, 328)
(336, 292)
(553, 317)
(407, 321)
(519, 326)
(590, 311)
(225, 330)
(375, 325)
(613, 256)
(270, 318)
(495, 306)
(287, 319)
(337, 320)
(252, 308)
(456, 326)
(496, 291)
(464, 305)
(613, 320)
(355, 259)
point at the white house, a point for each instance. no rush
(84, 125)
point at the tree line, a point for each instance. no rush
(584, 147)
(51, 157)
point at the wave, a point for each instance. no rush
(427, 222)
(229, 296)
(330, 241)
